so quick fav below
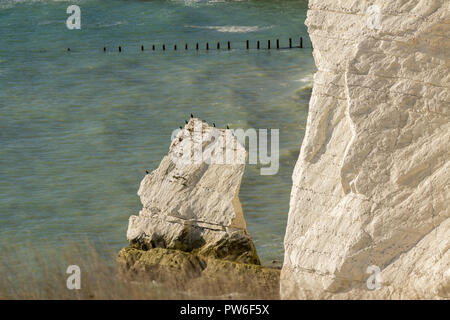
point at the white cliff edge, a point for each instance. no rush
(371, 187)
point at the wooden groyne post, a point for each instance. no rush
(218, 45)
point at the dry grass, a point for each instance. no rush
(30, 273)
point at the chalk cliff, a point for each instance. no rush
(191, 201)
(190, 235)
(371, 187)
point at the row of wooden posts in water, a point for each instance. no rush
(197, 47)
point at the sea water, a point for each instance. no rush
(78, 129)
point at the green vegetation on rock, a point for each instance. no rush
(197, 274)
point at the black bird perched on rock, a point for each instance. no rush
(185, 121)
(181, 127)
(146, 171)
(192, 115)
(214, 125)
(228, 127)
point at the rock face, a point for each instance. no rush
(190, 235)
(190, 202)
(197, 276)
(371, 185)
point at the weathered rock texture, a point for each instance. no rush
(198, 276)
(371, 186)
(190, 202)
(190, 235)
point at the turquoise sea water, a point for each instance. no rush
(78, 129)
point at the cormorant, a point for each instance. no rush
(214, 125)
(146, 171)
(192, 115)
(186, 121)
(228, 127)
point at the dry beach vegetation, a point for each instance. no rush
(40, 273)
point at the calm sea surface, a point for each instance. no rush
(78, 129)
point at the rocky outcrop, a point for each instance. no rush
(190, 235)
(371, 185)
(190, 202)
(199, 276)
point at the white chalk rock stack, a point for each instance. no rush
(191, 201)
(370, 203)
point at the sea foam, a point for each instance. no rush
(233, 29)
